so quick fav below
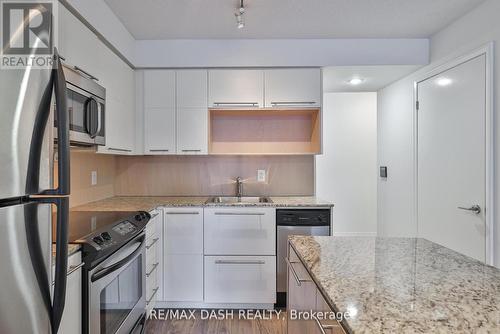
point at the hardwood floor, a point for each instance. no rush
(214, 326)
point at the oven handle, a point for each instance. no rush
(108, 270)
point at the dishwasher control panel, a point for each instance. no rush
(303, 217)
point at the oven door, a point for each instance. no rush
(117, 290)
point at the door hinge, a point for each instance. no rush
(417, 105)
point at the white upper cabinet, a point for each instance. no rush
(236, 88)
(159, 89)
(192, 111)
(299, 87)
(82, 48)
(192, 88)
(159, 112)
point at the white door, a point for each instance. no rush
(452, 158)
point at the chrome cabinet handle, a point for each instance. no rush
(152, 269)
(239, 213)
(153, 295)
(159, 150)
(239, 262)
(283, 103)
(323, 327)
(243, 104)
(182, 213)
(72, 269)
(294, 273)
(191, 150)
(475, 208)
(79, 69)
(154, 241)
(119, 149)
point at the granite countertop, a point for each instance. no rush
(402, 285)
(72, 249)
(124, 203)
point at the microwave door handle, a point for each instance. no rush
(115, 266)
(99, 115)
(63, 174)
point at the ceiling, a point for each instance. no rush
(206, 19)
(335, 78)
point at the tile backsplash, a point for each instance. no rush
(187, 175)
(214, 175)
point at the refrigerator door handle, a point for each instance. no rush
(55, 307)
(63, 172)
(61, 265)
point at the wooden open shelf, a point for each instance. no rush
(264, 131)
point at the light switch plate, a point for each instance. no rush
(93, 178)
(261, 175)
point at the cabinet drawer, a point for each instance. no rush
(184, 277)
(240, 279)
(152, 261)
(152, 290)
(184, 231)
(328, 324)
(153, 228)
(152, 250)
(249, 231)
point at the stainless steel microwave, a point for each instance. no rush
(86, 108)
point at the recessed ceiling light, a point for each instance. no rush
(355, 81)
(444, 81)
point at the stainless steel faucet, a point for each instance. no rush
(239, 187)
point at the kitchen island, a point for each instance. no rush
(401, 285)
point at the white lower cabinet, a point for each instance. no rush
(183, 261)
(240, 231)
(219, 255)
(240, 279)
(184, 277)
(154, 259)
(71, 322)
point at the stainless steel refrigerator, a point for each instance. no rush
(29, 303)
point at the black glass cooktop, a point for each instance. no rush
(84, 223)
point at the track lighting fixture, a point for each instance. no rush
(239, 15)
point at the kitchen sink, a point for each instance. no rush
(238, 200)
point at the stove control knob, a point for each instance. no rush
(138, 218)
(98, 240)
(106, 236)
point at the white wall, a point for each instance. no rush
(102, 18)
(280, 52)
(465, 34)
(346, 171)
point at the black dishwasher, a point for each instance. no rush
(301, 221)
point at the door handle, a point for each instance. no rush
(108, 270)
(475, 208)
